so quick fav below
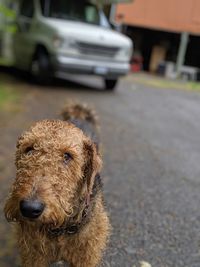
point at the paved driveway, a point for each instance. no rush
(151, 168)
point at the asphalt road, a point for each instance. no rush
(151, 168)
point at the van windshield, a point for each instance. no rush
(70, 10)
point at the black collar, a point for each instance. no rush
(70, 228)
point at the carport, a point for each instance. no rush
(172, 36)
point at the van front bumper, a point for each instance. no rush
(107, 69)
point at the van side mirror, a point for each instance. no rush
(116, 26)
(117, 23)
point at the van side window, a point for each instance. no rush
(27, 8)
(42, 3)
(45, 6)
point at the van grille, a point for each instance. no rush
(97, 50)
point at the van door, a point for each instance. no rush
(23, 41)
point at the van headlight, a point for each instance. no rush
(59, 42)
(130, 52)
(126, 53)
(70, 43)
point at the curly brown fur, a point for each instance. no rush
(44, 174)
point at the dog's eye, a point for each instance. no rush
(67, 158)
(29, 150)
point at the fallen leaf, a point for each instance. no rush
(145, 264)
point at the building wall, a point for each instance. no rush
(169, 15)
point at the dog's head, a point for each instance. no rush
(56, 165)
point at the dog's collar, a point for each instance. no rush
(70, 228)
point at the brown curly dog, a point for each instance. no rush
(56, 200)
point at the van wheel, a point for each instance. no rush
(40, 69)
(110, 84)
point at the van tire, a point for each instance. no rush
(40, 70)
(110, 84)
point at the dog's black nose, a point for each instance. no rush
(31, 208)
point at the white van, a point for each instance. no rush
(54, 37)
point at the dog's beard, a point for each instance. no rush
(52, 218)
(11, 211)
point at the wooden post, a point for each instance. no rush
(182, 52)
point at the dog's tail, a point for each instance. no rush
(83, 117)
(73, 111)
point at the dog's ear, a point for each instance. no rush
(93, 164)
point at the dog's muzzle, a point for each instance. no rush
(31, 209)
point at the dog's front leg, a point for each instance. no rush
(30, 260)
(38, 263)
(83, 258)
